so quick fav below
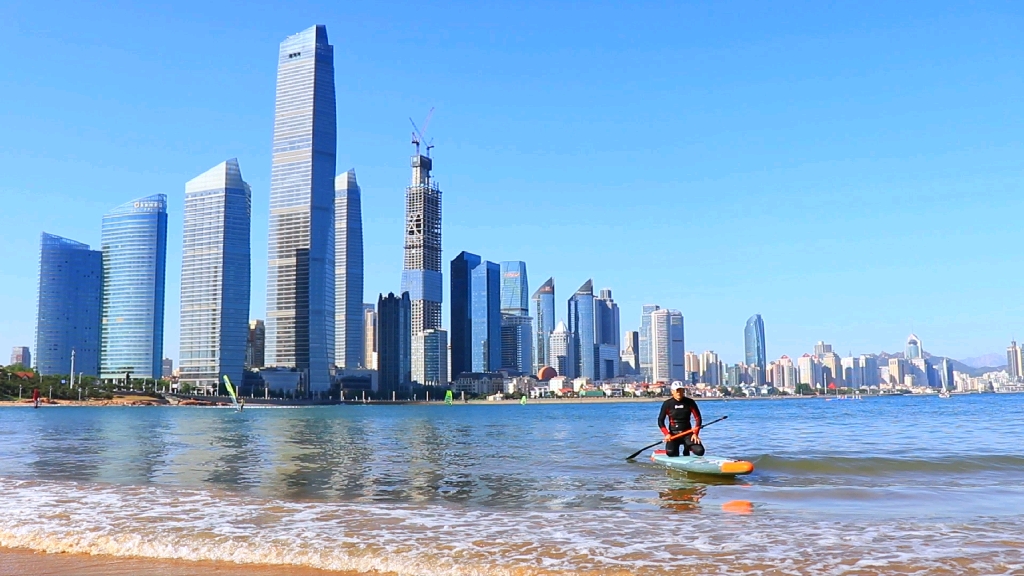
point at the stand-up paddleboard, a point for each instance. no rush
(703, 464)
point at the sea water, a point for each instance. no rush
(892, 485)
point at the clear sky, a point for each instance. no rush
(852, 171)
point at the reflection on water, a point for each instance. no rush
(683, 499)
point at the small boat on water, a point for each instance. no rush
(703, 464)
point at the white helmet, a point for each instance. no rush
(677, 385)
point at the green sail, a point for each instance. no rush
(231, 390)
(448, 397)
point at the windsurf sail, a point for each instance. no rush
(523, 400)
(231, 391)
(448, 397)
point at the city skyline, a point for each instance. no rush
(977, 326)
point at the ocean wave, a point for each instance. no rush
(411, 540)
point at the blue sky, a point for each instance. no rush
(849, 171)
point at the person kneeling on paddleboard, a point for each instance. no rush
(678, 410)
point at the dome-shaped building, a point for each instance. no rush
(914, 347)
(546, 373)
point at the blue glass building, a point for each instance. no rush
(475, 315)
(753, 345)
(581, 324)
(515, 289)
(646, 352)
(70, 304)
(215, 277)
(134, 245)
(300, 271)
(544, 318)
(348, 272)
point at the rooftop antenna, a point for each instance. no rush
(419, 136)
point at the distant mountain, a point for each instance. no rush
(958, 365)
(988, 360)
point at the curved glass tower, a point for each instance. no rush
(581, 324)
(753, 345)
(300, 270)
(134, 245)
(544, 316)
(215, 277)
(70, 298)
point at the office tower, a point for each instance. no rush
(215, 278)
(421, 276)
(516, 343)
(562, 349)
(22, 355)
(300, 270)
(544, 318)
(709, 368)
(869, 370)
(475, 315)
(514, 289)
(820, 349)
(832, 370)
(256, 344)
(581, 324)
(754, 349)
(914, 347)
(133, 240)
(394, 344)
(606, 335)
(430, 358)
(348, 272)
(1013, 360)
(70, 303)
(920, 370)
(667, 346)
(166, 369)
(897, 371)
(369, 336)
(852, 373)
(646, 359)
(631, 353)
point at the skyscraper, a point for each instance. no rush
(753, 344)
(134, 245)
(430, 357)
(394, 343)
(369, 336)
(914, 347)
(544, 322)
(300, 270)
(1013, 360)
(514, 288)
(646, 360)
(70, 303)
(22, 355)
(581, 324)
(475, 315)
(421, 277)
(606, 335)
(256, 346)
(667, 346)
(562, 349)
(631, 354)
(348, 272)
(821, 349)
(516, 343)
(215, 277)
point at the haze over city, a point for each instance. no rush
(847, 180)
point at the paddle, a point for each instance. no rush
(673, 437)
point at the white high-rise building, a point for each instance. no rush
(667, 346)
(809, 371)
(562, 351)
(430, 358)
(215, 277)
(710, 369)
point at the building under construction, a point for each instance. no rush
(421, 276)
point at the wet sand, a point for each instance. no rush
(22, 562)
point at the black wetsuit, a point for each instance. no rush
(678, 413)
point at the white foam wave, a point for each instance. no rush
(409, 540)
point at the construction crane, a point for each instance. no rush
(420, 136)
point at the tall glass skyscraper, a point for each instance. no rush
(754, 350)
(514, 289)
(475, 315)
(215, 277)
(544, 316)
(581, 324)
(646, 357)
(134, 245)
(300, 270)
(70, 303)
(606, 335)
(348, 272)
(394, 343)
